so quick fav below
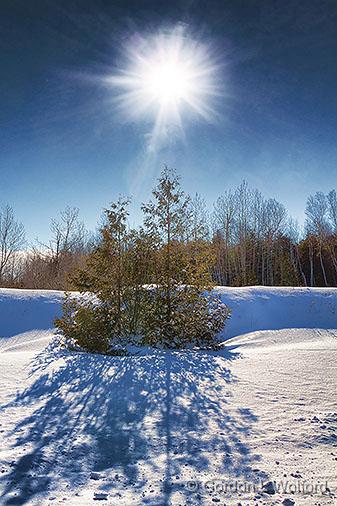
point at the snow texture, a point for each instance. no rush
(173, 427)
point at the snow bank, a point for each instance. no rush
(26, 310)
(265, 308)
(253, 308)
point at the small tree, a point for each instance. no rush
(176, 310)
(104, 314)
(165, 218)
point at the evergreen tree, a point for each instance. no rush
(105, 313)
(176, 311)
(165, 218)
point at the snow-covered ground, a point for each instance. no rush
(173, 427)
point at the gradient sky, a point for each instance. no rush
(63, 143)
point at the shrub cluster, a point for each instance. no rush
(149, 286)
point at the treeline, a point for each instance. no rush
(257, 243)
(249, 240)
(43, 265)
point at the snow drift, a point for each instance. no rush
(253, 308)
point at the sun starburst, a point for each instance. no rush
(164, 76)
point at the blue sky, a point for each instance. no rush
(63, 142)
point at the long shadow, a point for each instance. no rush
(127, 418)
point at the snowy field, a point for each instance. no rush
(173, 427)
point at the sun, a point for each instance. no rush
(168, 83)
(164, 77)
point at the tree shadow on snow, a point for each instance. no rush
(160, 413)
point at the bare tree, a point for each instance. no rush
(12, 239)
(332, 209)
(317, 224)
(274, 220)
(249, 235)
(225, 209)
(199, 219)
(66, 248)
(332, 212)
(293, 233)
